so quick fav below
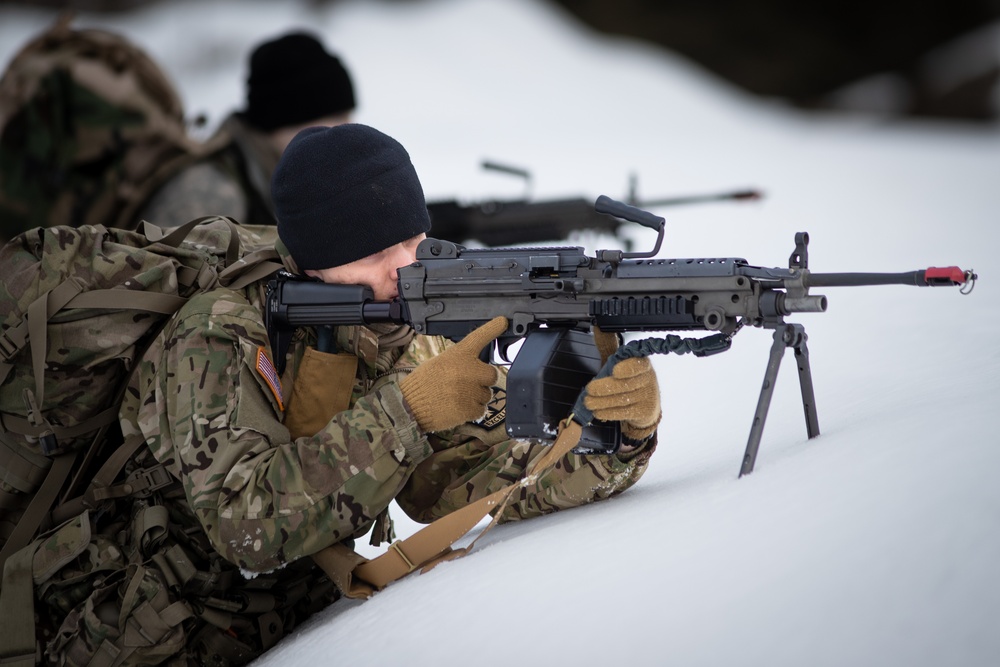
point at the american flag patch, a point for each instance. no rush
(270, 375)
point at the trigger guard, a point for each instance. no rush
(503, 346)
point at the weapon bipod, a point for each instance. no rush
(785, 336)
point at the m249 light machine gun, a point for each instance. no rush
(553, 296)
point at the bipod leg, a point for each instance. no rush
(805, 380)
(785, 336)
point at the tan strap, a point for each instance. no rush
(12, 339)
(239, 271)
(34, 326)
(22, 426)
(39, 506)
(100, 488)
(17, 615)
(102, 479)
(176, 235)
(126, 299)
(15, 337)
(22, 469)
(37, 320)
(250, 268)
(432, 544)
(338, 561)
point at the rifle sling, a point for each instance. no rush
(358, 577)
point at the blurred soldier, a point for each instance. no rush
(293, 83)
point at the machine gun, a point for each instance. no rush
(553, 296)
(504, 222)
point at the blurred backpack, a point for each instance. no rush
(90, 126)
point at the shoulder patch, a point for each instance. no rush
(267, 371)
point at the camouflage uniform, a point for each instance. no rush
(203, 402)
(233, 180)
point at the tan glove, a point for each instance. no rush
(630, 395)
(454, 387)
(607, 343)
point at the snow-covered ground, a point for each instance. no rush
(877, 543)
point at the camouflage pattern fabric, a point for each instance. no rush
(89, 350)
(208, 412)
(146, 588)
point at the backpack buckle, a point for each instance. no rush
(8, 348)
(145, 481)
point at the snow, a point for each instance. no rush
(877, 543)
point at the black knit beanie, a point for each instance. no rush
(345, 192)
(294, 80)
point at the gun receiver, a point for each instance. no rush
(451, 290)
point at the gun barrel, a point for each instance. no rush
(862, 279)
(739, 195)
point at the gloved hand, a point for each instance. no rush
(630, 395)
(454, 387)
(606, 343)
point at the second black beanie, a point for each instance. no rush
(294, 80)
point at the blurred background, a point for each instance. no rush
(917, 58)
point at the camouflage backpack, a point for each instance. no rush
(90, 126)
(78, 306)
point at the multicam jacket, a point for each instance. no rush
(209, 404)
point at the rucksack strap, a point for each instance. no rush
(174, 236)
(20, 468)
(239, 271)
(34, 327)
(39, 506)
(358, 577)
(17, 615)
(145, 482)
(249, 269)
